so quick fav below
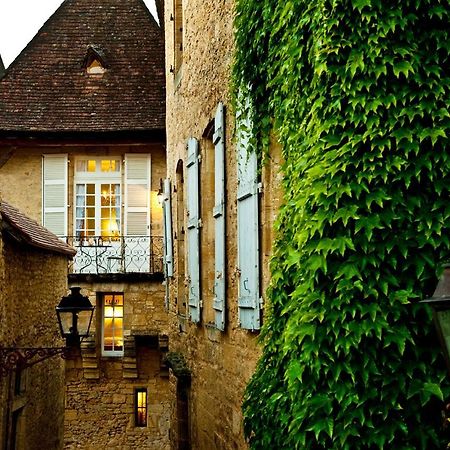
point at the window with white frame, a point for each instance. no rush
(112, 324)
(98, 198)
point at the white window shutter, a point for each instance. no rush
(137, 195)
(193, 232)
(168, 245)
(248, 229)
(54, 193)
(219, 217)
(137, 213)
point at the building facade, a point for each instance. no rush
(33, 278)
(82, 113)
(222, 204)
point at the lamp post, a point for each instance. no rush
(74, 314)
(440, 302)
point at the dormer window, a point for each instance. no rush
(95, 61)
(95, 68)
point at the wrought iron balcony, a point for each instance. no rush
(123, 254)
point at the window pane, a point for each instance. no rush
(91, 166)
(113, 323)
(81, 165)
(141, 407)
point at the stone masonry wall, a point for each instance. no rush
(221, 362)
(100, 405)
(31, 285)
(100, 413)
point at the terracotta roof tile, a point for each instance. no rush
(33, 233)
(47, 88)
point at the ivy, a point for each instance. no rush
(357, 92)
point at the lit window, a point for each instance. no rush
(141, 407)
(95, 68)
(95, 61)
(112, 325)
(98, 210)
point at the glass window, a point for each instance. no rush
(97, 210)
(141, 407)
(113, 325)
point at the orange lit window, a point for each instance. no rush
(112, 325)
(140, 405)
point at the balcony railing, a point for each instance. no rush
(124, 254)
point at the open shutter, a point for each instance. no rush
(193, 231)
(168, 246)
(54, 192)
(137, 213)
(248, 230)
(219, 217)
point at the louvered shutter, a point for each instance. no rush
(137, 213)
(219, 217)
(248, 230)
(193, 231)
(54, 193)
(168, 252)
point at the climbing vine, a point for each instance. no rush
(357, 92)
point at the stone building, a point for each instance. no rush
(82, 151)
(221, 209)
(33, 278)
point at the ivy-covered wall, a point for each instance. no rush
(358, 93)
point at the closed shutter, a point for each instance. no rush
(137, 213)
(219, 217)
(168, 246)
(248, 230)
(54, 193)
(193, 232)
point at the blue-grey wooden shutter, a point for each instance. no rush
(54, 193)
(193, 231)
(168, 247)
(219, 217)
(248, 229)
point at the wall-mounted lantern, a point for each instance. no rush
(74, 314)
(440, 302)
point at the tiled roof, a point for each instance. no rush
(2, 67)
(31, 232)
(47, 89)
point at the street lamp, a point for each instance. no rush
(74, 314)
(440, 302)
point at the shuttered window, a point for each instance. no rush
(193, 232)
(168, 243)
(137, 195)
(137, 212)
(248, 229)
(219, 217)
(54, 201)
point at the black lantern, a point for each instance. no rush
(440, 302)
(74, 313)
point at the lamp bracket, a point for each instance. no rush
(12, 359)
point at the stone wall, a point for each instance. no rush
(32, 283)
(221, 362)
(100, 405)
(100, 413)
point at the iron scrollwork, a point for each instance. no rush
(12, 359)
